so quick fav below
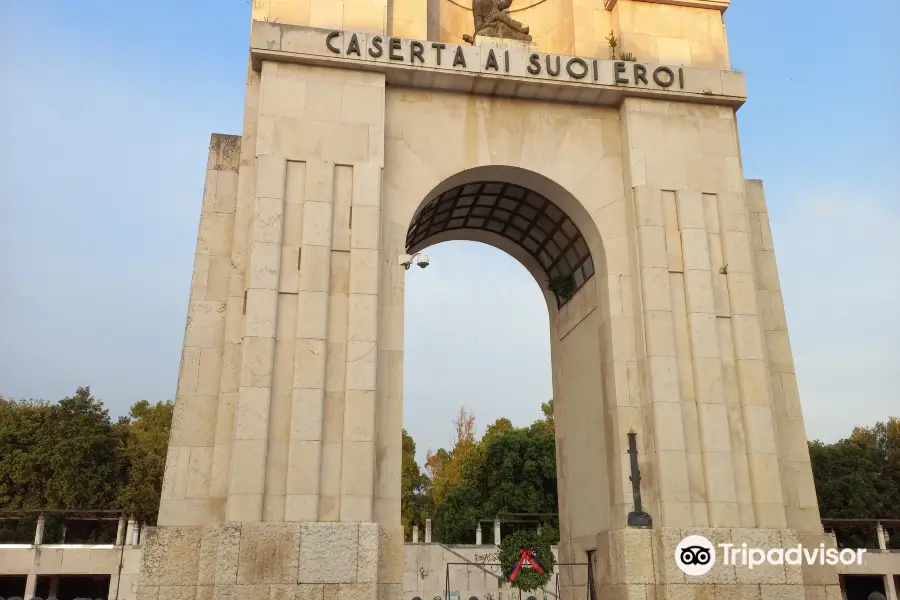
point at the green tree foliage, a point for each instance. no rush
(83, 454)
(511, 470)
(415, 499)
(25, 467)
(71, 455)
(859, 478)
(144, 450)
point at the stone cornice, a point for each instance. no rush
(721, 5)
(422, 64)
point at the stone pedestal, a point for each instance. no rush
(505, 44)
(256, 561)
(639, 564)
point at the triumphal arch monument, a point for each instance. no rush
(593, 140)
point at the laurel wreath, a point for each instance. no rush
(510, 552)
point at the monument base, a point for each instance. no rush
(505, 43)
(362, 561)
(270, 561)
(639, 564)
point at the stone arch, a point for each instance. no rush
(525, 214)
(579, 338)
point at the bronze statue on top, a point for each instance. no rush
(492, 20)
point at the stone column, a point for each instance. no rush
(497, 532)
(129, 531)
(415, 534)
(136, 535)
(698, 226)
(30, 584)
(889, 588)
(185, 493)
(39, 531)
(120, 531)
(427, 531)
(478, 534)
(658, 351)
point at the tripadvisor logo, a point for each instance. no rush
(695, 555)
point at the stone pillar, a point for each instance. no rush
(889, 588)
(136, 535)
(299, 462)
(129, 531)
(185, 493)
(54, 587)
(415, 534)
(120, 532)
(39, 531)
(427, 531)
(478, 534)
(497, 532)
(882, 540)
(30, 584)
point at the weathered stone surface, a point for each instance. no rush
(390, 555)
(227, 553)
(350, 591)
(209, 542)
(631, 556)
(764, 539)
(178, 592)
(269, 553)
(781, 592)
(665, 542)
(736, 592)
(328, 553)
(685, 592)
(241, 592)
(389, 591)
(170, 556)
(147, 592)
(303, 591)
(367, 553)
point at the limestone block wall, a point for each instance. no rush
(711, 413)
(311, 303)
(255, 561)
(672, 33)
(679, 33)
(186, 487)
(370, 16)
(401, 18)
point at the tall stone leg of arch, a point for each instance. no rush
(725, 448)
(278, 467)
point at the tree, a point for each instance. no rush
(85, 457)
(859, 478)
(25, 437)
(69, 455)
(510, 470)
(145, 442)
(415, 499)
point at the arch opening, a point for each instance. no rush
(519, 214)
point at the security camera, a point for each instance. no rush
(422, 261)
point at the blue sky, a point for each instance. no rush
(107, 109)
